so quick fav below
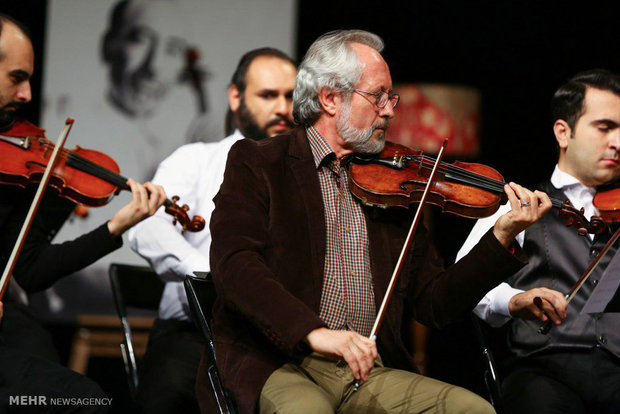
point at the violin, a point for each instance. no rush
(607, 201)
(397, 176)
(83, 176)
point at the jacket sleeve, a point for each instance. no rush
(42, 263)
(441, 297)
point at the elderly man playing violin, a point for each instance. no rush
(28, 359)
(575, 367)
(300, 266)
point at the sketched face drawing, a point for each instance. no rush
(145, 48)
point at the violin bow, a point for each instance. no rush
(546, 327)
(405, 250)
(4, 281)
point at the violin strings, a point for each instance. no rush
(470, 177)
(466, 176)
(459, 171)
(50, 145)
(491, 184)
(84, 164)
(81, 163)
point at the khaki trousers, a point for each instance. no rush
(321, 385)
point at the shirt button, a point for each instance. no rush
(347, 229)
(602, 339)
(593, 252)
(594, 282)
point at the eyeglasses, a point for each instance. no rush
(382, 98)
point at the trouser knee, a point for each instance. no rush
(462, 401)
(298, 404)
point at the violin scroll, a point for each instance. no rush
(195, 224)
(575, 218)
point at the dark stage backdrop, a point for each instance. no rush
(515, 53)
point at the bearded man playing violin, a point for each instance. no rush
(300, 266)
(28, 360)
(575, 367)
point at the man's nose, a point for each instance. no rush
(283, 107)
(24, 93)
(614, 139)
(387, 111)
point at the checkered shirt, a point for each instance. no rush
(347, 300)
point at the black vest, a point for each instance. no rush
(557, 257)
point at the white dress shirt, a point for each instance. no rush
(493, 308)
(194, 172)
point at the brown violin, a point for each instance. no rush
(397, 176)
(84, 176)
(607, 201)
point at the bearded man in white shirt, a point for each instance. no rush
(260, 101)
(575, 368)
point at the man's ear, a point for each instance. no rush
(330, 99)
(562, 132)
(234, 98)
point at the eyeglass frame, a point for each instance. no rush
(378, 95)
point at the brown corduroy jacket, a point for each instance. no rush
(267, 260)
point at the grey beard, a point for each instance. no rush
(359, 140)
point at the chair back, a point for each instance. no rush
(488, 341)
(201, 296)
(136, 287)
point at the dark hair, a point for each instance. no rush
(568, 101)
(115, 25)
(22, 27)
(239, 76)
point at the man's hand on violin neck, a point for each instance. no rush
(539, 303)
(527, 208)
(146, 199)
(358, 351)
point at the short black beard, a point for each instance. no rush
(7, 118)
(247, 124)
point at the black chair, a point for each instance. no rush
(201, 296)
(135, 287)
(491, 340)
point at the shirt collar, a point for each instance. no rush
(321, 151)
(563, 180)
(237, 134)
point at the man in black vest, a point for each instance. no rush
(575, 368)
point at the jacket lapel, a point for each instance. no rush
(307, 180)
